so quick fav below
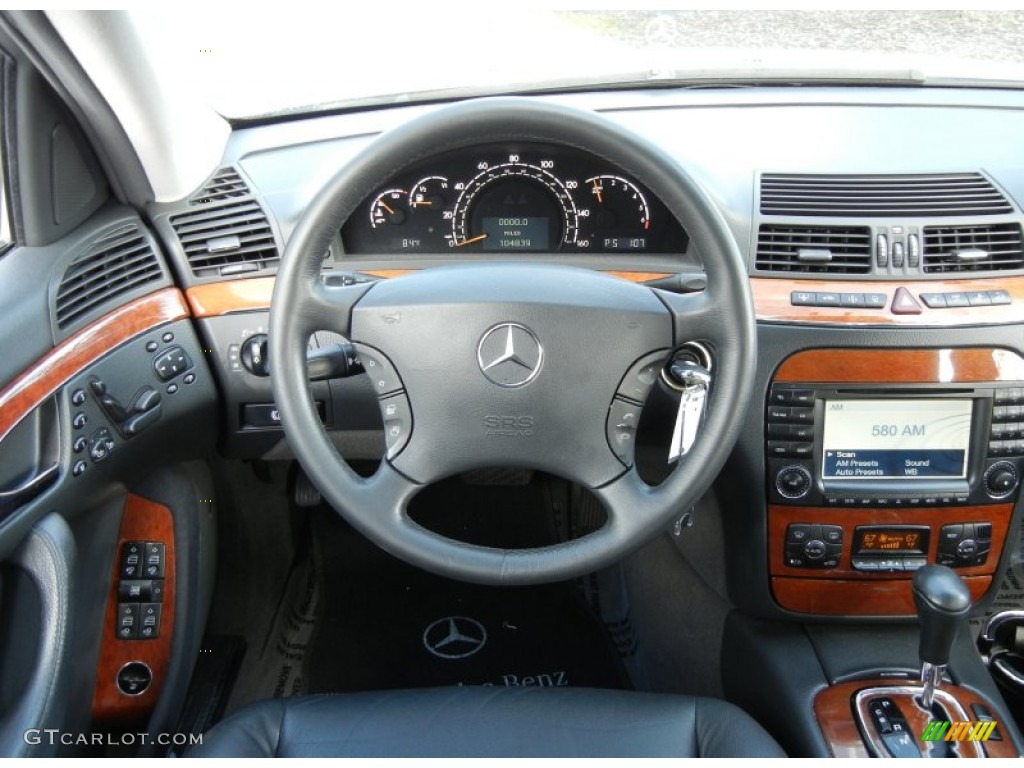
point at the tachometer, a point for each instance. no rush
(620, 217)
(514, 206)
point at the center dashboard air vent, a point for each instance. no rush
(227, 231)
(822, 250)
(973, 248)
(856, 195)
(116, 264)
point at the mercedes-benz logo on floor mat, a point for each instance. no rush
(454, 637)
(510, 355)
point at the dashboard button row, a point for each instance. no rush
(897, 501)
(828, 299)
(889, 563)
(950, 300)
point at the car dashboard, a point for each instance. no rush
(882, 233)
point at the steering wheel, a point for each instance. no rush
(504, 364)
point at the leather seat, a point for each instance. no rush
(490, 722)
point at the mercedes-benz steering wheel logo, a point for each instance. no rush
(510, 355)
(454, 637)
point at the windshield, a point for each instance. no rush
(255, 64)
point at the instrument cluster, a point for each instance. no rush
(527, 198)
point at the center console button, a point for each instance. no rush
(967, 549)
(799, 533)
(815, 549)
(832, 534)
(801, 415)
(793, 482)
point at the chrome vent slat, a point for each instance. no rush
(881, 195)
(226, 235)
(1001, 247)
(117, 263)
(779, 247)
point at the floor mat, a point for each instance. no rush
(384, 624)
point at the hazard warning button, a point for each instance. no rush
(904, 303)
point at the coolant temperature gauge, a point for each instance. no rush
(389, 207)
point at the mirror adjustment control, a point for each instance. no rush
(793, 482)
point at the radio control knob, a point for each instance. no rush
(793, 482)
(1001, 479)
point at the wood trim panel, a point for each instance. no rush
(844, 591)
(772, 302)
(253, 294)
(142, 520)
(832, 597)
(633, 277)
(781, 516)
(33, 385)
(213, 299)
(833, 709)
(902, 366)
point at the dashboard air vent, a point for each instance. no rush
(947, 194)
(973, 248)
(116, 264)
(825, 250)
(225, 184)
(229, 239)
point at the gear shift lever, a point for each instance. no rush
(942, 600)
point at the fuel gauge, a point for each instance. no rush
(429, 195)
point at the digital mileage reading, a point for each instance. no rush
(896, 439)
(516, 233)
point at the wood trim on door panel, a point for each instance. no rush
(142, 520)
(833, 709)
(772, 302)
(902, 366)
(76, 353)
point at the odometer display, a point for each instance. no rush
(516, 233)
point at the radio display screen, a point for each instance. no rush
(896, 439)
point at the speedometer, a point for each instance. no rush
(514, 206)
